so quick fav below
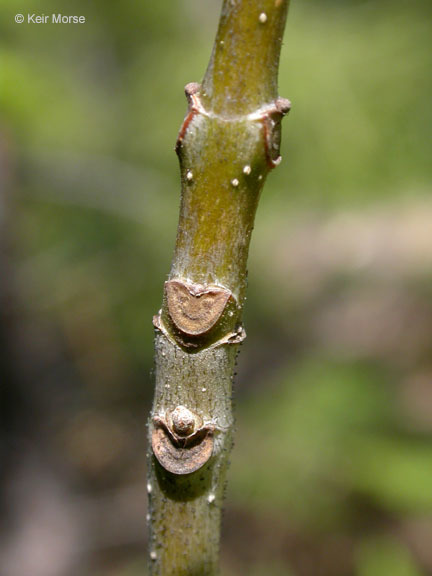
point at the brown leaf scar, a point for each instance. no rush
(180, 441)
(195, 309)
(272, 130)
(194, 107)
(270, 116)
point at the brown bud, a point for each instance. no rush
(183, 421)
(178, 444)
(192, 88)
(283, 105)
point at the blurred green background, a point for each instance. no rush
(331, 473)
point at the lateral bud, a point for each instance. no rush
(190, 89)
(181, 442)
(283, 105)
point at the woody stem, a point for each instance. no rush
(228, 143)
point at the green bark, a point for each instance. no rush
(228, 143)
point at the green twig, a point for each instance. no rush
(227, 144)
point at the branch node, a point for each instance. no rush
(180, 442)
